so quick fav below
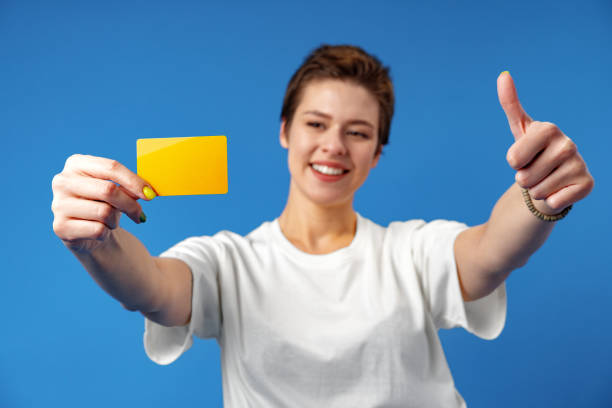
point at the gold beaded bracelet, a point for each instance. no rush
(541, 215)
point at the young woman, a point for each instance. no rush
(322, 307)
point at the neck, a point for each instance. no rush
(314, 228)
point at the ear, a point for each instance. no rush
(283, 135)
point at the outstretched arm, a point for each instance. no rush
(550, 167)
(89, 196)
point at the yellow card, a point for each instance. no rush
(183, 165)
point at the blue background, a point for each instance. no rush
(92, 77)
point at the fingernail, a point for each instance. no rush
(504, 72)
(143, 217)
(149, 193)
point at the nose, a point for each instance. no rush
(333, 142)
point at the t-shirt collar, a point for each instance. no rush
(339, 255)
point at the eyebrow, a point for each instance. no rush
(352, 122)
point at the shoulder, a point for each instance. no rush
(220, 243)
(411, 226)
(422, 227)
(412, 232)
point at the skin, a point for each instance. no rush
(549, 166)
(86, 207)
(318, 217)
(335, 122)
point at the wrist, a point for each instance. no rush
(541, 210)
(544, 208)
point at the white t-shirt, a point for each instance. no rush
(353, 328)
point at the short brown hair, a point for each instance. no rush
(344, 62)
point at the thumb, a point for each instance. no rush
(518, 119)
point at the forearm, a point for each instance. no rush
(549, 166)
(125, 270)
(512, 233)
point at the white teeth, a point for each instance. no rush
(327, 170)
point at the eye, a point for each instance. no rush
(315, 124)
(360, 134)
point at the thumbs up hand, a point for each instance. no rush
(547, 161)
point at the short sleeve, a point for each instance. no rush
(165, 344)
(434, 257)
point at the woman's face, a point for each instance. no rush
(332, 141)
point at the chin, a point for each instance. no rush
(324, 195)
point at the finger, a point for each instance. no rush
(128, 193)
(570, 172)
(108, 169)
(102, 190)
(90, 210)
(567, 196)
(549, 158)
(508, 98)
(538, 137)
(72, 230)
(558, 179)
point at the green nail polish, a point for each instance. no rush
(143, 217)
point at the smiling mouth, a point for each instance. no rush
(328, 171)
